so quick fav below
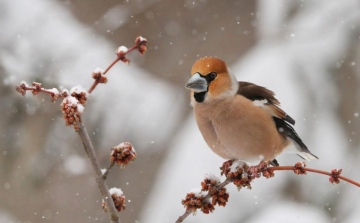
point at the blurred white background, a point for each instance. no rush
(305, 51)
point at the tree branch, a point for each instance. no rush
(104, 190)
(108, 170)
(73, 107)
(206, 197)
(314, 171)
(242, 175)
(140, 44)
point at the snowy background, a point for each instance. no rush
(305, 51)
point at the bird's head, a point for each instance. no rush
(211, 80)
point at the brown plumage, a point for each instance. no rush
(240, 120)
(255, 92)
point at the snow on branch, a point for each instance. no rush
(242, 175)
(121, 52)
(73, 109)
(72, 106)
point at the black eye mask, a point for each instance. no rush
(200, 97)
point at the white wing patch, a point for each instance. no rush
(260, 103)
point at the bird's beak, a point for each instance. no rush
(197, 83)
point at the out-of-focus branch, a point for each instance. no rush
(73, 107)
(104, 190)
(242, 175)
(42, 90)
(112, 163)
(121, 52)
(36, 89)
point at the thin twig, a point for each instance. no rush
(73, 108)
(104, 190)
(93, 86)
(104, 176)
(96, 82)
(206, 197)
(314, 171)
(271, 169)
(42, 90)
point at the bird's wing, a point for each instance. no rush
(289, 132)
(264, 98)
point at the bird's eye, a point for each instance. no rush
(213, 75)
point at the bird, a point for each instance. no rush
(240, 120)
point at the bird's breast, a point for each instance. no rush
(235, 129)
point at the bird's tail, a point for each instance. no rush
(302, 150)
(307, 156)
(289, 132)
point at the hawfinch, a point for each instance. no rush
(240, 120)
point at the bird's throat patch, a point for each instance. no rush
(200, 97)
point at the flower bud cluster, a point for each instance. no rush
(195, 200)
(262, 168)
(72, 104)
(123, 154)
(80, 93)
(37, 88)
(334, 178)
(98, 74)
(72, 110)
(21, 88)
(118, 199)
(210, 182)
(239, 173)
(54, 94)
(121, 53)
(141, 44)
(299, 168)
(219, 195)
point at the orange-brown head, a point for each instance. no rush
(211, 80)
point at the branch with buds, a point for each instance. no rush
(74, 101)
(242, 175)
(72, 106)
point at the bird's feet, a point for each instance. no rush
(237, 172)
(225, 167)
(235, 168)
(262, 168)
(231, 166)
(274, 162)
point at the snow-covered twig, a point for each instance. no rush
(36, 89)
(73, 107)
(206, 197)
(121, 52)
(242, 175)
